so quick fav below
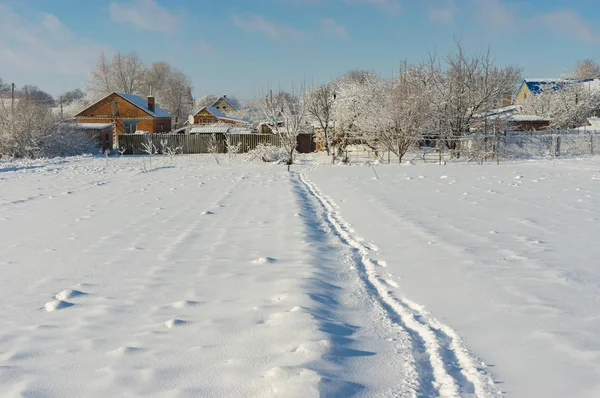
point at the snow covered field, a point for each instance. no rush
(240, 279)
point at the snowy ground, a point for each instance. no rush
(198, 279)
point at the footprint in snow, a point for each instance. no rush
(171, 323)
(69, 294)
(56, 305)
(391, 283)
(264, 260)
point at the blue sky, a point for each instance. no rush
(242, 47)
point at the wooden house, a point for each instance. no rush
(128, 113)
(210, 115)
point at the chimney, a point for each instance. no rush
(224, 95)
(151, 103)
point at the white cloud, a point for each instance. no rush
(146, 15)
(390, 6)
(39, 49)
(331, 27)
(495, 14)
(571, 24)
(443, 11)
(274, 30)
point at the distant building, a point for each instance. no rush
(224, 105)
(532, 87)
(211, 115)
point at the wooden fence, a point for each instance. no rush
(133, 144)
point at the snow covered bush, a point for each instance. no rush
(29, 129)
(268, 153)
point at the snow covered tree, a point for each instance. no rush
(352, 95)
(251, 111)
(319, 105)
(31, 129)
(567, 105)
(285, 113)
(397, 113)
(466, 86)
(587, 69)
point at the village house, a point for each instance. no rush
(532, 87)
(509, 119)
(211, 115)
(128, 113)
(224, 105)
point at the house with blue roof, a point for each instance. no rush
(225, 105)
(128, 113)
(532, 87)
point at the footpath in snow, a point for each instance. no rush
(505, 255)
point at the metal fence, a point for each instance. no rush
(133, 144)
(479, 148)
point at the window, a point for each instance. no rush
(130, 126)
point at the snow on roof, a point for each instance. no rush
(220, 115)
(142, 103)
(230, 102)
(594, 122)
(536, 86)
(218, 128)
(594, 125)
(527, 118)
(92, 126)
(209, 128)
(592, 85)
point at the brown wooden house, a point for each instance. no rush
(210, 115)
(128, 113)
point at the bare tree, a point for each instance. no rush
(125, 73)
(587, 69)
(285, 113)
(319, 105)
(467, 86)
(33, 93)
(101, 82)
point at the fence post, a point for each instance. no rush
(557, 145)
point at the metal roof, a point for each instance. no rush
(142, 103)
(230, 102)
(536, 86)
(220, 115)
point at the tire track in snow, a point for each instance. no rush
(454, 371)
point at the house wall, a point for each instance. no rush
(530, 125)
(523, 94)
(205, 117)
(223, 106)
(100, 112)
